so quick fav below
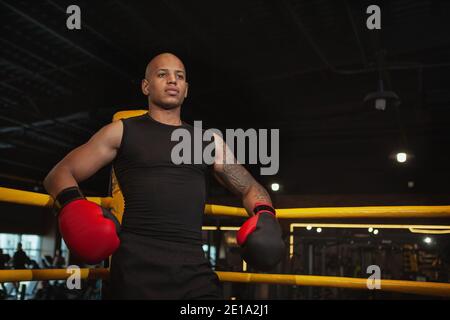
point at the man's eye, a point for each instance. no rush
(180, 76)
(160, 75)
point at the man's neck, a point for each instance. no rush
(170, 117)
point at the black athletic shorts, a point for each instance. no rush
(148, 268)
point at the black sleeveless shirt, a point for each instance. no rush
(163, 200)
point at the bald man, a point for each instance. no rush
(157, 251)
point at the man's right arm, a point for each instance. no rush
(90, 231)
(84, 161)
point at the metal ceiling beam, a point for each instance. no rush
(296, 21)
(36, 75)
(57, 121)
(67, 41)
(39, 132)
(71, 125)
(48, 71)
(7, 100)
(35, 56)
(72, 117)
(10, 87)
(40, 150)
(38, 114)
(93, 31)
(355, 31)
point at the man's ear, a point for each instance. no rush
(187, 87)
(144, 87)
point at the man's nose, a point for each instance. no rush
(172, 79)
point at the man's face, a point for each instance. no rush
(165, 82)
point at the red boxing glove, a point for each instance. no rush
(90, 231)
(260, 238)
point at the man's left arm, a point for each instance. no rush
(260, 236)
(237, 179)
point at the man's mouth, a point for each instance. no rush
(172, 91)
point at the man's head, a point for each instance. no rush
(165, 81)
(19, 246)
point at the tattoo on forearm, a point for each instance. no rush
(236, 178)
(262, 195)
(240, 181)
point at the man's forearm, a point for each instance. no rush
(241, 182)
(58, 179)
(256, 194)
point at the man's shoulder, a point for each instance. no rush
(194, 126)
(133, 118)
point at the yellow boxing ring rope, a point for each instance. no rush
(403, 286)
(44, 200)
